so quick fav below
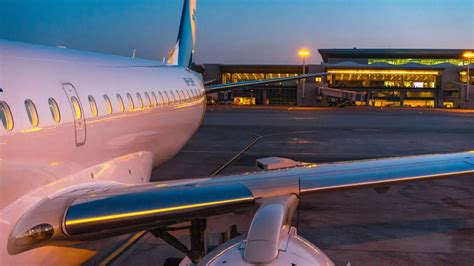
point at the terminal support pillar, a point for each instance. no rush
(264, 97)
(468, 81)
(403, 94)
(438, 99)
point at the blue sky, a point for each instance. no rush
(240, 31)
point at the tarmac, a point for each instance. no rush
(423, 223)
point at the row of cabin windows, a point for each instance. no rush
(150, 102)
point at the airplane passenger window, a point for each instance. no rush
(32, 113)
(153, 99)
(183, 96)
(108, 104)
(179, 96)
(193, 93)
(54, 108)
(148, 100)
(174, 98)
(140, 101)
(92, 103)
(189, 95)
(168, 102)
(131, 105)
(162, 100)
(76, 108)
(6, 116)
(120, 103)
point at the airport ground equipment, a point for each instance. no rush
(341, 98)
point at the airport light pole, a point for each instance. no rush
(303, 53)
(468, 56)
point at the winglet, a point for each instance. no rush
(183, 52)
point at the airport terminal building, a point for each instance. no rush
(388, 77)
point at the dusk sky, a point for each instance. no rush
(240, 31)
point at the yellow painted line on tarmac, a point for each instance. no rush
(132, 240)
(237, 156)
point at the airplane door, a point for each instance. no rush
(78, 113)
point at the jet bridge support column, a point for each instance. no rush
(198, 240)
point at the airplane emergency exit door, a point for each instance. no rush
(77, 112)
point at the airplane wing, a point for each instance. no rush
(228, 86)
(88, 213)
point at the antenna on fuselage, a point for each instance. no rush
(133, 52)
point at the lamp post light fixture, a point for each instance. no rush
(303, 53)
(468, 55)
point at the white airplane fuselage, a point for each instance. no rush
(37, 161)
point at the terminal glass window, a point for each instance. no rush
(463, 76)
(281, 96)
(239, 77)
(376, 78)
(427, 61)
